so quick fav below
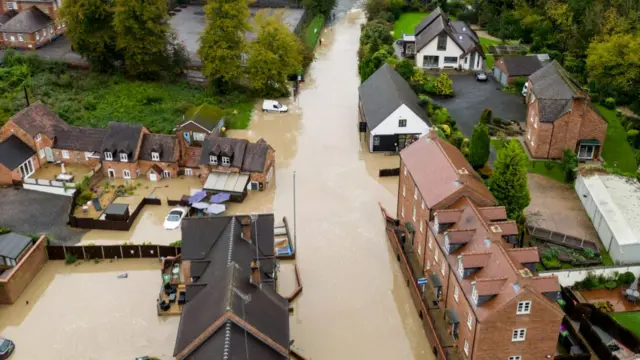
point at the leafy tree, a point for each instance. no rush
(371, 64)
(480, 146)
(91, 32)
(274, 54)
(569, 164)
(508, 184)
(223, 41)
(405, 68)
(486, 116)
(444, 85)
(142, 30)
(614, 62)
(323, 7)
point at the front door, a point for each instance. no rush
(111, 173)
(153, 176)
(49, 154)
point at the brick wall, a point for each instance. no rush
(75, 157)
(146, 165)
(119, 167)
(23, 272)
(6, 176)
(33, 40)
(409, 198)
(261, 177)
(463, 309)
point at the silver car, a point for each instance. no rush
(481, 76)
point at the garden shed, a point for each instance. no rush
(613, 205)
(117, 212)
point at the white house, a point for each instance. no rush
(440, 43)
(390, 112)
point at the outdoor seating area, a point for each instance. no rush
(608, 294)
(201, 204)
(62, 172)
(172, 299)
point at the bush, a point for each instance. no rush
(176, 243)
(589, 253)
(457, 139)
(405, 68)
(569, 164)
(610, 285)
(519, 83)
(609, 103)
(386, 16)
(4, 230)
(84, 197)
(632, 137)
(70, 259)
(424, 100)
(626, 278)
(444, 85)
(551, 264)
(486, 116)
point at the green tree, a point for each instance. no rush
(142, 29)
(509, 180)
(444, 85)
(223, 41)
(372, 63)
(323, 7)
(569, 164)
(614, 62)
(486, 116)
(90, 31)
(274, 54)
(405, 68)
(480, 146)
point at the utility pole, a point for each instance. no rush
(295, 236)
(26, 95)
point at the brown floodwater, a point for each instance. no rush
(83, 311)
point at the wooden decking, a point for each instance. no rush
(613, 296)
(175, 308)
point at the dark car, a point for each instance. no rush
(481, 76)
(6, 348)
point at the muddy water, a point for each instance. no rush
(355, 303)
(85, 312)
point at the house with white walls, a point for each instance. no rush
(390, 112)
(440, 43)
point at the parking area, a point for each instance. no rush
(33, 212)
(84, 311)
(472, 97)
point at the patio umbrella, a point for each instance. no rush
(220, 197)
(200, 205)
(634, 285)
(216, 209)
(197, 196)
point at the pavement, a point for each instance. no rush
(472, 97)
(33, 212)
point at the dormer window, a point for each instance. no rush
(38, 137)
(155, 156)
(124, 157)
(226, 161)
(436, 224)
(460, 266)
(474, 293)
(446, 242)
(108, 155)
(213, 160)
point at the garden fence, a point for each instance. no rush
(104, 224)
(91, 252)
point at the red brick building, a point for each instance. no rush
(495, 307)
(30, 25)
(560, 116)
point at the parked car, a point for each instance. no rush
(524, 89)
(273, 106)
(174, 218)
(6, 348)
(481, 76)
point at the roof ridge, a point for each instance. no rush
(491, 207)
(476, 253)
(461, 230)
(522, 249)
(258, 334)
(502, 222)
(449, 210)
(501, 278)
(446, 156)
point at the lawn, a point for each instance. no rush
(629, 319)
(407, 23)
(616, 148)
(89, 99)
(488, 57)
(312, 33)
(554, 170)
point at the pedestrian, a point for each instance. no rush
(320, 41)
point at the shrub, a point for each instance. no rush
(387, 16)
(424, 100)
(609, 103)
(589, 253)
(444, 85)
(84, 197)
(626, 278)
(551, 264)
(177, 243)
(569, 164)
(589, 282)
(445, 129)
(405, 68)
(4, 230)
(549, 254)
(70, 259)
(497, 121)
(610, 285)
(632, 137)
(457, 139)
(486, 116)
(519, 82)
(549, 165)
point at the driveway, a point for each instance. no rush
(472, 97)
(33, 212)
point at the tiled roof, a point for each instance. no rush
(524, 255)
(555, 90)
(27, 21)
(493, 286)
(80, 138)
(437, 23)
(459, 236)
(122, 138)
(448, 216)
(507, 227)
(545, 283)
(448, 173)
(428, 20)
(494, 213)
(6, 16)
(255, 156)
(246, 156)
(38, 119)
(164, 145)
(475, 260)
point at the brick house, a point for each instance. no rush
(159, 156)
(494, 306)
(198, 123)
(560, 116)
(509, 68)
(32, 27)
(121, 150)
(78, 145)
(17, 160)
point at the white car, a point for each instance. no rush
(524, 89)
(273, 106)
(174, 218)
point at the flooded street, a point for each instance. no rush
(83, 311)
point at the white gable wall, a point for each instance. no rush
(453, 50)
(415, 124)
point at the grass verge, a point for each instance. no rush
(312, 33)
(489, 59)
(617, 152)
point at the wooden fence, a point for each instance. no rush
(91, 252)
(389, 172)
(561, 239)
(104, 224)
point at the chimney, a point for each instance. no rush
(255, 272)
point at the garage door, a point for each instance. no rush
(496, 73)
(503, 79)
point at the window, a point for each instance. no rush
(524, 307)
(13, 38)
(4, 37)
(213, 160)
(442, 42)
(155, 156)
(428, 263)
(421, 226)
(533, 139)
(455, 293)
(20, 38)
(65, 154)
(404, 190)
(413, 213)
(124, 157)
(126, 174)
(38, 137)
(535, 123)
(166, 174)
(41, 153)
(474, 294)
(460, 267)
(419, 249)
(586, 152)
(376, 142)
(529, 134)
(450, 60)
(466, 348)
(515, 357)
(108, 156)
(10, 6)
(402, 123)
(435, 257)
(422, 204)
(429, 61)
(518, 334)
(37, 36)
(198, 136)
(443, 267)
(188, 172)
(87, 155)
(430, 241)
(470, 320)
(402, 211)
(226, 160)
(415, 192)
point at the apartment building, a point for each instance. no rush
(494, 305)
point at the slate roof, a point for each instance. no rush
(521, 65)
(39, 119)
(555, 90)
(12, 244)
(13, 152)
(6, 16)
(222, 303)
(246, 156)
(122, 138)
(255, 156)
(80, 138)
(27, 21)
(437, 22)
(428, 20)
(383, 92)
(165, 145)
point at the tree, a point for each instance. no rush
(508, 184)
(223, 41)
(91, 32)
(372, 63)
(569, 164)
(614, 63)
(323, 7)
(444, 85)
(274, 54)
(480, 146)
(486, 116)
(405, 68)
(142, 30)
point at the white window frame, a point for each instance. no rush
(419, 249)
(402, 211)
(126, 174)
(188, 172)
(435, 257)
(466, 347)
(65, 154)
(413, 213)
(443, 267)
(455, 293)
(515, 357)
(37, 137)
(405, 170)
(421, 227)
(166, 174)
(41, 153)
(37, 36)
(376, 141)
(124, 157)
(402, 123)
(155, 156)
(404, 190)
(108, 156)
(226, 160)
(470, 321)
(198, 136)
(213, 160)
(518, 335)
(87, 155)
(430, 241)
(20, 38)
(474, 295)
(13, 38)
(524, 307)
(415, 192)
(460, 268)
(423, 204)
